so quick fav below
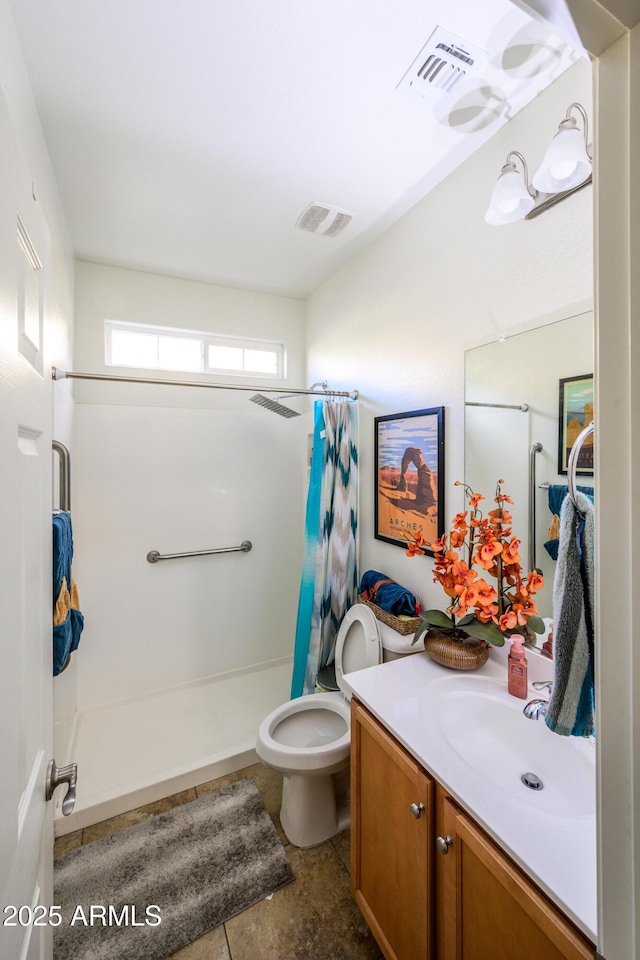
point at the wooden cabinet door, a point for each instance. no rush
(391, 847)
(487, 908)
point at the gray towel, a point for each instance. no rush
(570, 711)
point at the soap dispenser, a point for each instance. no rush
(517, 668)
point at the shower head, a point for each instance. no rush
(274, 406)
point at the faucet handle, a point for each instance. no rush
(543, 685)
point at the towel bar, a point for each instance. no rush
(153, 556)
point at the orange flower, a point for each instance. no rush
(487, 552)
(511, 619)
(535, 582)
(486, 614)
(413, 549)
(461, 570)
(475, 500)
(457, 537)
(449, 585)
(500, 517)
(481, 594)
(511, 552)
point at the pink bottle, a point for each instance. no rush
(517, 668)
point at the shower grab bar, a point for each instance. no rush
(59, 374)
(65, 474)
(153, 556)
(535, 448)
(503, 406)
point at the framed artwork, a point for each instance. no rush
(409, 476)
(575, 413)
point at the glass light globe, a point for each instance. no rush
(566, 163)
(510, 200)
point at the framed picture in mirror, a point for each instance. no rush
(575, 413)
(409, 476)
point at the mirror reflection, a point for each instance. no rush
(519, 392)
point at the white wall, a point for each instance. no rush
(179, 469)
(395, 322)
(25, 132)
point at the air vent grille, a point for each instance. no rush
(324, 219)
(442, 64)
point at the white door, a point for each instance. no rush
(26, 821)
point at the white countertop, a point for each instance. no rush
(558, 852)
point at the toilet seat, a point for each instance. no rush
(358, 644)
(288, 739)
(313, 733)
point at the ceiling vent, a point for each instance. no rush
(324, 219)
(442, 64)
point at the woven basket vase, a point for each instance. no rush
(458, 654)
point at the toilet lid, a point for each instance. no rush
(358, 644)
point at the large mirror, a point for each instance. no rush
(513, 390)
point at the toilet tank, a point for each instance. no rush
(395, 645)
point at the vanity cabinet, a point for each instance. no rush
(430, 883)
(392, 829)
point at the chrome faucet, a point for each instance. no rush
(538, 708)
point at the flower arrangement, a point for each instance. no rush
(477, 608)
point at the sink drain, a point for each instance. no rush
(532, 782)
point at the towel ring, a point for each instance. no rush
(572, 466)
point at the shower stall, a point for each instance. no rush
(180, 660)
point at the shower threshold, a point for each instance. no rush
(136, 751)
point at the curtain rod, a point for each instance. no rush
(505, 406)
(59, 374)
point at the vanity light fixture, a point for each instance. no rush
(566, 168)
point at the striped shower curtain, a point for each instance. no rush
(329, 575)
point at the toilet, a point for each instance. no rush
(308, 739)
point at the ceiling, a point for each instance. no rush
(187, 138)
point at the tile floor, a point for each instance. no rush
(313, 918)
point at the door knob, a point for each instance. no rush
(417, 809)
(57, 775)
(443, 844)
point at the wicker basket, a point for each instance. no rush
(457, 654)
(405, 627)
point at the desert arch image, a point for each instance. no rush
(409, 481)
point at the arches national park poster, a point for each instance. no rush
(409, 457)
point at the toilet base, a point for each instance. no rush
(315, 808)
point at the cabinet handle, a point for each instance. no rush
(417, 809)
(443, 844)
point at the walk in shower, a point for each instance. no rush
(189, 633)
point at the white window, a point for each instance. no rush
(190, 351)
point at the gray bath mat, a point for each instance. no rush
(144, 893)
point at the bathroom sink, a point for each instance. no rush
(487, 731)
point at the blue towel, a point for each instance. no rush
(571, 707)
(62, 550)
(387, 594)
(66, 636)
(557, 493)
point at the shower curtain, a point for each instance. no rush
(329, 575)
